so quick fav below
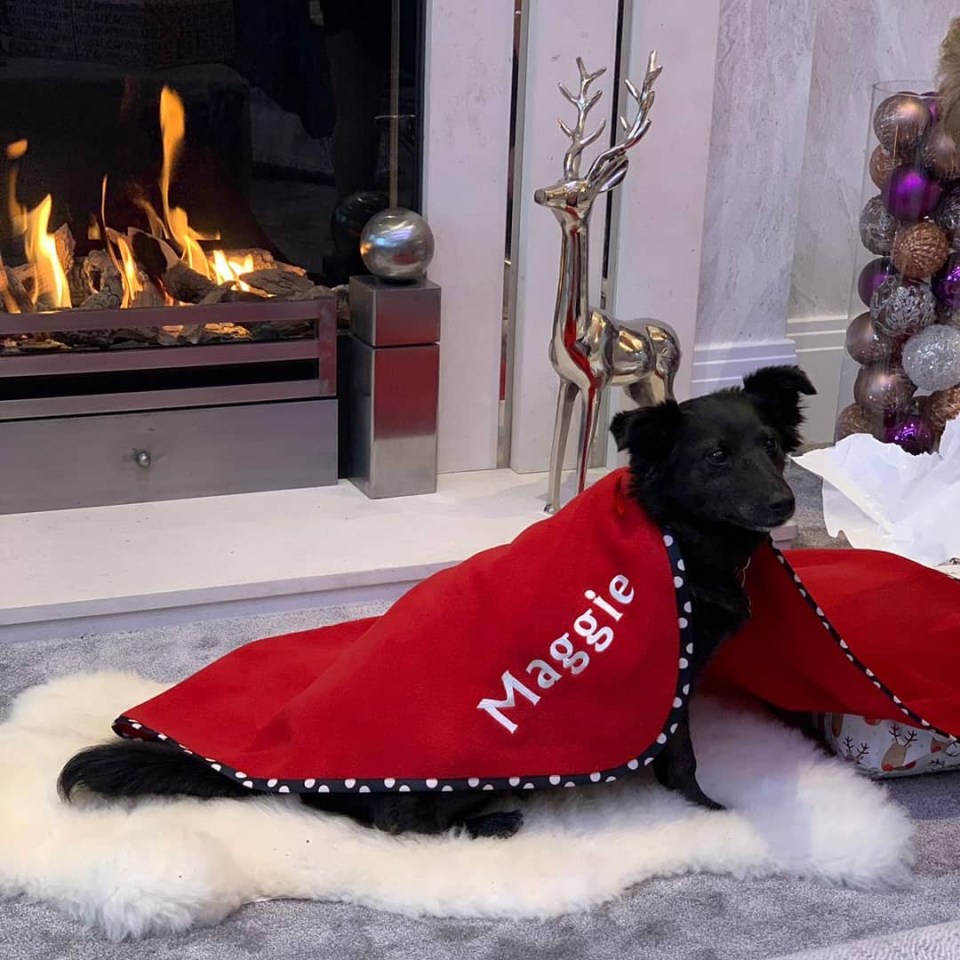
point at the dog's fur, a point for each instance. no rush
(710, 470)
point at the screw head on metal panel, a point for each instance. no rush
(142, 458)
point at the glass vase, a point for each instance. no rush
(900, 378)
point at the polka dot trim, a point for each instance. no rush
(126, 726)
(911, 715)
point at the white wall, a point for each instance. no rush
(469, 60)
(756, 152)
(764, 59)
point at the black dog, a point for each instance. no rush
(709, 469)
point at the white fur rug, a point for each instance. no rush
(161, 866)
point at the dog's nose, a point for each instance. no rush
(783, 507)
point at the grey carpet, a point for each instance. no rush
(938, 942)
(688, 918)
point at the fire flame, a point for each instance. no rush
(171, 223)
(41, 248)
(228, 270)
(39, 245)
(132, 287)
(173, 127)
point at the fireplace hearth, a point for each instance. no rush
(182, 187)
(97, 427)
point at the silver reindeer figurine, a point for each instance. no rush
(589, 349)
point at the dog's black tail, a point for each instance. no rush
(134, 768)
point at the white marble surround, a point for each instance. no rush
(856, 44)
(764, 57)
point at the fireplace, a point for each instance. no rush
(183, 187)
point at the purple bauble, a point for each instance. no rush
(911, 192)
(872, 277)
(913, 433)
(946, 283)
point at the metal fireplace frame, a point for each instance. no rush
(87, 448)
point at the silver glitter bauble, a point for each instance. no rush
(931, 358)
(397, 244)
(947, 217)
(901, 309)
(877, 227)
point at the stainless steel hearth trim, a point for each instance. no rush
(120, 425)
(155, 358)
(144, 317)
(74, 406)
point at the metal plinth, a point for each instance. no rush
(394, 387)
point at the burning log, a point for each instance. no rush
(264, 260)
(223, 333)
(18, 292)
(152, 253)
(79, 283)
(65, 244)
(102, 274)
(185, 284)
(226, 293)
(149, 296)
(27, 277)
(278, 283)
(102, 300)
(41, 343)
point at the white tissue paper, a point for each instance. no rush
(883, 498)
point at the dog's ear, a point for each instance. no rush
(648, 432)
(776, 391)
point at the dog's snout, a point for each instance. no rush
(783, 506)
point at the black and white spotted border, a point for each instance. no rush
(912, 715)
(129, 727)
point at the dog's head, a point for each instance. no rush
(720, 458)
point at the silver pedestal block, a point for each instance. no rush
(394, 386)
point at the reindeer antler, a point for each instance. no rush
(571, 159)
(635, 131)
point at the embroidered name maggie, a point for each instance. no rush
(562, 652)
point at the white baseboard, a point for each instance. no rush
(819, 342)
(814, 343)
(719, 365)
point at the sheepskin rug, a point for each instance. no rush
(160, 866)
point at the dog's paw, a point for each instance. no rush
(499, 826)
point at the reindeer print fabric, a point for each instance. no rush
(563, 658)
(884, 748)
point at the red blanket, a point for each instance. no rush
(562, 657)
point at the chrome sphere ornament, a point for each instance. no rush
(397, 244)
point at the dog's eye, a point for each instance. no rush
(771, 445)
(718, 456)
